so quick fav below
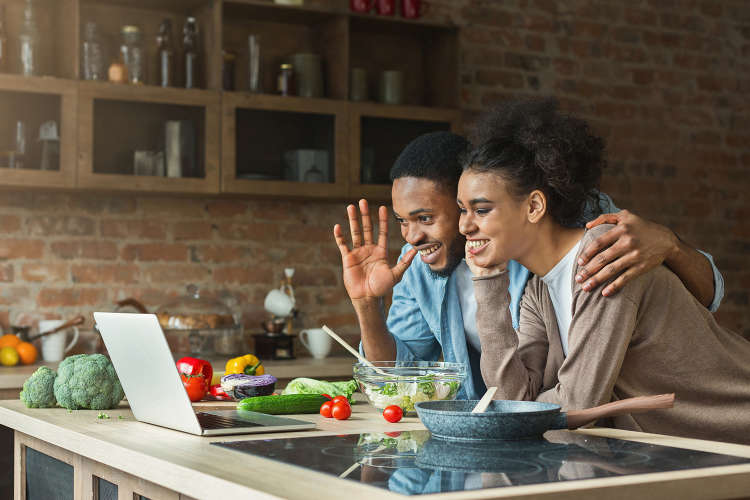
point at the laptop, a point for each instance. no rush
(149, 377)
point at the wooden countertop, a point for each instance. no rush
(189, 465)
(13, 377)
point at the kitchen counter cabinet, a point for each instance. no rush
(170, 464)
(333, 368)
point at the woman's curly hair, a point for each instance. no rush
(534, 146)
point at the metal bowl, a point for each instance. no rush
(409, 382)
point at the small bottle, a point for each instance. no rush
(92, 55)
(190, 56)
(166, 54)
(132, 53)
(285, 83)
(28, 42)
(3, 42)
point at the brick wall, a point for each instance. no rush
(665, 82)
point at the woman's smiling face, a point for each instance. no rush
(494, 221)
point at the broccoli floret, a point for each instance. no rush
(38, 389)
(87, 381)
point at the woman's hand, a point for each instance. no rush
(478, 271)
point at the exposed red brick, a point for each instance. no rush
(170, 207)
(192, 230)
(218, 253)
(105, 273)
(226, 208)
(505, 79)
(535, 43)
(177, 273)
(12, 295)
(100, 250)
(6, 273)
(69, 297)
(9, 224)
(249, 231)
(21, 249)
(133, 228)
(152, 251)
(47, 272)
(50, 225)
(243, 275)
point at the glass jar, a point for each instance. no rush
(133, 54)
(92, 54)
(285, 85)
(28, 43)
(197, 325)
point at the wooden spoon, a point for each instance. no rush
(483, 403)
(78, 320)
(354, 352)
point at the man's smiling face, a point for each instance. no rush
(428, 216)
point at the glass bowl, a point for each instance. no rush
(408, 382)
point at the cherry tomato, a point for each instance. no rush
(195, 385)
(326, 409)
(393, 413)
(393, 434)
(341, 411)
(340, 398)
(326, 395)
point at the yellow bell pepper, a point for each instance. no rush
(247, 364)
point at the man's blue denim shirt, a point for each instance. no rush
(425, 317)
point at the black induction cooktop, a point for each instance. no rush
(412, 462)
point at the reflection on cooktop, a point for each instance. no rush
(411, 462)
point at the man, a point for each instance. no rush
(433, 309)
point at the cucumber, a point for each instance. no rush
(285, 404)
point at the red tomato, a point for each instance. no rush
(341, 410)
(393, 434)
(393, 413)
(340, 398)
(326, 395)
(195, 385)
(326, 409)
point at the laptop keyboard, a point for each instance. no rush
(211, 421)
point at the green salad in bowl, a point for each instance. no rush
(404, 383)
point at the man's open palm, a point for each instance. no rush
(366, 270)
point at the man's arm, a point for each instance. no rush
(377, 341)
(368, 277)
(635, 246)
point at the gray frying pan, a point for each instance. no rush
(506, 420)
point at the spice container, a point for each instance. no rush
(227, 69)
(28, 43)
(285, 84)
(132, 53)
(92, 54)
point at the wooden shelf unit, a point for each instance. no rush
(67, 91)
(91, 92)
(425, 51)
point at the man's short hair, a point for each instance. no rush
(436, 156)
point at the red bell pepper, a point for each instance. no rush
(195, 366)
(218, 393)
(196, 375)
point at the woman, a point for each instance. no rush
(522, 189)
